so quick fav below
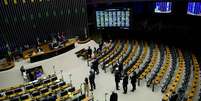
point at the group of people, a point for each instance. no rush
(57, 41)
(93, 71)
(30, 76)
(89, 81)
(118, 77)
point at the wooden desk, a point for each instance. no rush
(5, 65)
(27, 53)
(51, 53)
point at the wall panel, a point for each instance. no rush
(22, 22)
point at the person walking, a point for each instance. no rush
(95, 66)
(22, 70)
(125, 83)
(121, 68)
(133, 81)
(92, 80)
(86, 86)
(117, 78)
(89, 51)
(114, 96)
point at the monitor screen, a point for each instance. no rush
(163, 7)
(194, 8)
(113, 18)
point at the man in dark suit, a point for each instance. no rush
(133, 81)
(95, 66)
(125, 83)
(117, 79)
(89, 51)
(114, 96)
(121, 67)
(92, 80)
(22, 69)
(174, 97)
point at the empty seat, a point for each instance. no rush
(15, 99)
(18, 90)
(37, 84)
(63, 93)
(62, 83)
(54, 78)
(9, 92)
(72, 89)
(28, 87)
(44, 90)
(54, 87)
(46, 81)
(35, 93)
(24, 97)
(82, 96)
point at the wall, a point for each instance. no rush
(175, 29)
(22, 22)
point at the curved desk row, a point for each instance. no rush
(38, 57)
(5, 65)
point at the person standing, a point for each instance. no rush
(125, 83)
(114, 96)
(121, 67)
(174, 97)
(117, 79)
(100, 46)
(133, 81)
(86, 86)
(22, 70)
(92, 80)
(89, 51)
(95, 50)
(95, 66)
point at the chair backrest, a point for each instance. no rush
(15, 99)
(72, 89)
(29, 87)
(54, 87)
(44, 90)
(24, 97)
(54, 78)
(18, 90)
(65, 92)
(37, 84)
(81, 96)
(62, 83)
(9, 92)
(46, 81)
(35, 94)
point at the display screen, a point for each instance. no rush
(194, 8)
(113, 18)
(163, 7)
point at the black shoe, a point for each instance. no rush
(118, 89)
(132, 90)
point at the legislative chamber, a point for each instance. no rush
(100, 50)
